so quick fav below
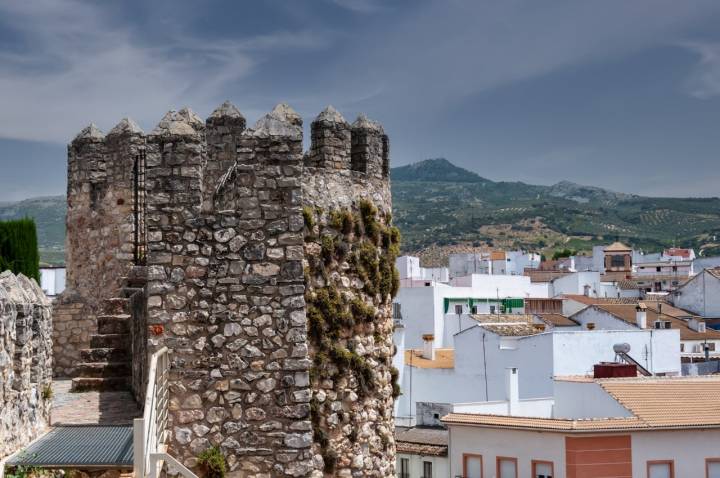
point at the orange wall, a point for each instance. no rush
(598, 457)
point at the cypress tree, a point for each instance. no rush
(19, 247)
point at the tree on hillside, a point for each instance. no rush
(564, 253)
(19, 248)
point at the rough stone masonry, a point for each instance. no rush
(270, 278)
(25, 361)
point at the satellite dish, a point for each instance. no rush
(621, 348)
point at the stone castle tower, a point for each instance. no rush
(270, 276)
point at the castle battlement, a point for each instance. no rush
(270, 275)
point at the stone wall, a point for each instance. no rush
(100, 233)
(227, 286)
(246, 236)
(25, 361)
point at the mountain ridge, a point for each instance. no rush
(438, 204)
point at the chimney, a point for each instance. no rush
(512, 391)
(428, 347)
(641, 316)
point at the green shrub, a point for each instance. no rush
(214, 462)
(19, 248)
(47, 392)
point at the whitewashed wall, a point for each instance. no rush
(585, 400)
(491, 443)
(701, 295)
(440, 468)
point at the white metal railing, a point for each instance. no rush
(150, 432)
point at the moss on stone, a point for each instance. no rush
(308, 217)
(327, 249)
(395, 375)
(362, 311)
(342, 221)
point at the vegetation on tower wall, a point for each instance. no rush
(350, 281)
(19, 248)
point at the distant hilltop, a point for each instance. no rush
(441, 207)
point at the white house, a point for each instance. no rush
(695, 336)
(409, 268)
(592, 428)
(473, 370)
(493, 262)
(701, 294)
(426, 305)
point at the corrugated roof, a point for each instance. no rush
(80, 447)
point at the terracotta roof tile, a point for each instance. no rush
(558, 320)
(656, 403)
(627, 313)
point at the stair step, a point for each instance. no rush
(104, 384)
(105, 354)
(117, 306)
(104, 369)
(114, 324)
(116, 341)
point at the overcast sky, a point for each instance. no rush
(619, 94)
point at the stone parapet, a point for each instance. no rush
(25, 361)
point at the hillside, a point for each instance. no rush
(441, 208)
(475, 211)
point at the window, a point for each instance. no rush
(492, 309)
(712, 468)
(542, 469)
(674, 268)
(458, 309)
(474, 309)
(661, 469)
(472, 466)
(506, 467)
(710, 346)
(427, 469)
(682, 347)
(657, 269)
(404, 468)
(617, 261)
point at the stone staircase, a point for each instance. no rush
(107, 364)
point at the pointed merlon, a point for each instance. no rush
(363, 122)
(284, 111)
(274, 125)
(330, 115)
(125, 126)
(91, 132)
(191, 118)
(226, 110)
(173, 124)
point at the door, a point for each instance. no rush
(472, 466)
